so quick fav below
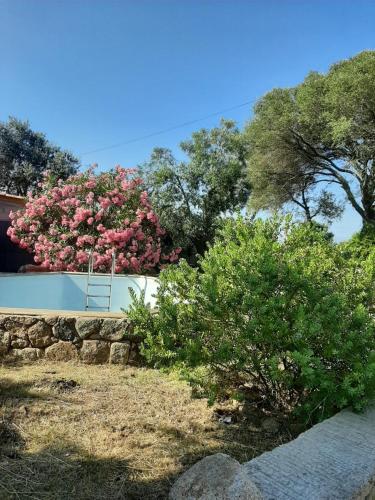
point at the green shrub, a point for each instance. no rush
(361, 244)
(359, 251)
(273, 307)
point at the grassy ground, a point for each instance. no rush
(119, 433)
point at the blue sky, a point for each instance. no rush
(93, 73)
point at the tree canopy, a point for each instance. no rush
(25, 155)
(191, 197)
(319, 133)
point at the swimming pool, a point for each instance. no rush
(67, 291)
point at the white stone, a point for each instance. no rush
(217, 477)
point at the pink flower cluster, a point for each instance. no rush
(104, 213)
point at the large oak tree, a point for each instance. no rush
(318, 134)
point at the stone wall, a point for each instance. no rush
(90, 339)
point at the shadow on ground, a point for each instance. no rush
(65, 472)
(10, 392)
(79, 465)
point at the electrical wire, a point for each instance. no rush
(169, 129)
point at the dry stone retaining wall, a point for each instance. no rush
(91, 339)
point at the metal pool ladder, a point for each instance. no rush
(92, 282)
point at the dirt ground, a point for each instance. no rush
(70, 431)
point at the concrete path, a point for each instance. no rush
(333, 460)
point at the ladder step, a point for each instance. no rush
(91, 295)
(92, 280)
(102, 275)
(98, 284)
(96, 307)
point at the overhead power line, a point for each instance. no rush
(169, 129)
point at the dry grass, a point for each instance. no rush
(121, 433)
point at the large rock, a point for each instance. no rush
(28, 354)
(40, 334)
(94, 351)
(62, 351)
(3, 318)
(17, 327)
(4, 342)
(113, 329)
(119, 353)
(217, 477)
(17, 323)
(51, 320)
(19, 340)
(65, 329)
(86, 327)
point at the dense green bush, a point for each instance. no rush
(273, 309)
(359, 252)
(361, 244)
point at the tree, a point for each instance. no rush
(102, 214)
(321, 132)
(25, 155)
(191, 197)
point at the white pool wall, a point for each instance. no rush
(67, 291)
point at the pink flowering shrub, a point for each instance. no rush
(104, 213)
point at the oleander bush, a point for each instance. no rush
(272, 310)
(104, 213)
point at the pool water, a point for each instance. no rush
(67, 291)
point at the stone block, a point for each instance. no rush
(86, 327)
(62, 351)
(113, 329)
(28, 354)
(17, 323)
(94, 351)
(119, 353)
(65, 329)
(19, 339)
(40, 334)
(4, 342)
(51, 320)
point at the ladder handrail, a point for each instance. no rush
(90, 272)
(113, 267)
(88, 278)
